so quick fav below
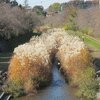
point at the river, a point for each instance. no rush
(58, 90)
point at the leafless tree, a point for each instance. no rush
(89, 18)
(15, 21)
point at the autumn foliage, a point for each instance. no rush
(26, 74)
(30, 66)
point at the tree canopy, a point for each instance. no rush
(15, 21)
(39, 10)
(55, 7)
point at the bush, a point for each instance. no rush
(87, 31)
(70, 27)
(15, 88)
(71, 24)
(88, 85)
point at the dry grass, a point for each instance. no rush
(28, 73)
(31, 64)
(74, 63)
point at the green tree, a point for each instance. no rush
(72, 14)
(39, 10)
(56, 7)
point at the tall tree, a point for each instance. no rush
(39, 10)
(55, 7)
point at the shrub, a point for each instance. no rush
(87, 31)
(15, 88)
(56, 7)
(70, 27)
(88, 85)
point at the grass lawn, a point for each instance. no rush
(90, 41)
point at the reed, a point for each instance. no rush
(30, 66)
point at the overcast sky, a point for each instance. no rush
(44, 3)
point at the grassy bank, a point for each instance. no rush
(90, 41)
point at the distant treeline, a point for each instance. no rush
(80, 4)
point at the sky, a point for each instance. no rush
(44, 3)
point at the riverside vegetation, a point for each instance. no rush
(31, 64)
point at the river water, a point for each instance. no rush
(58, 90)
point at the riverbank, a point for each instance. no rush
(31, 65)
(94, 47)
(57, 90)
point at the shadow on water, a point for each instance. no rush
(58, 90)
